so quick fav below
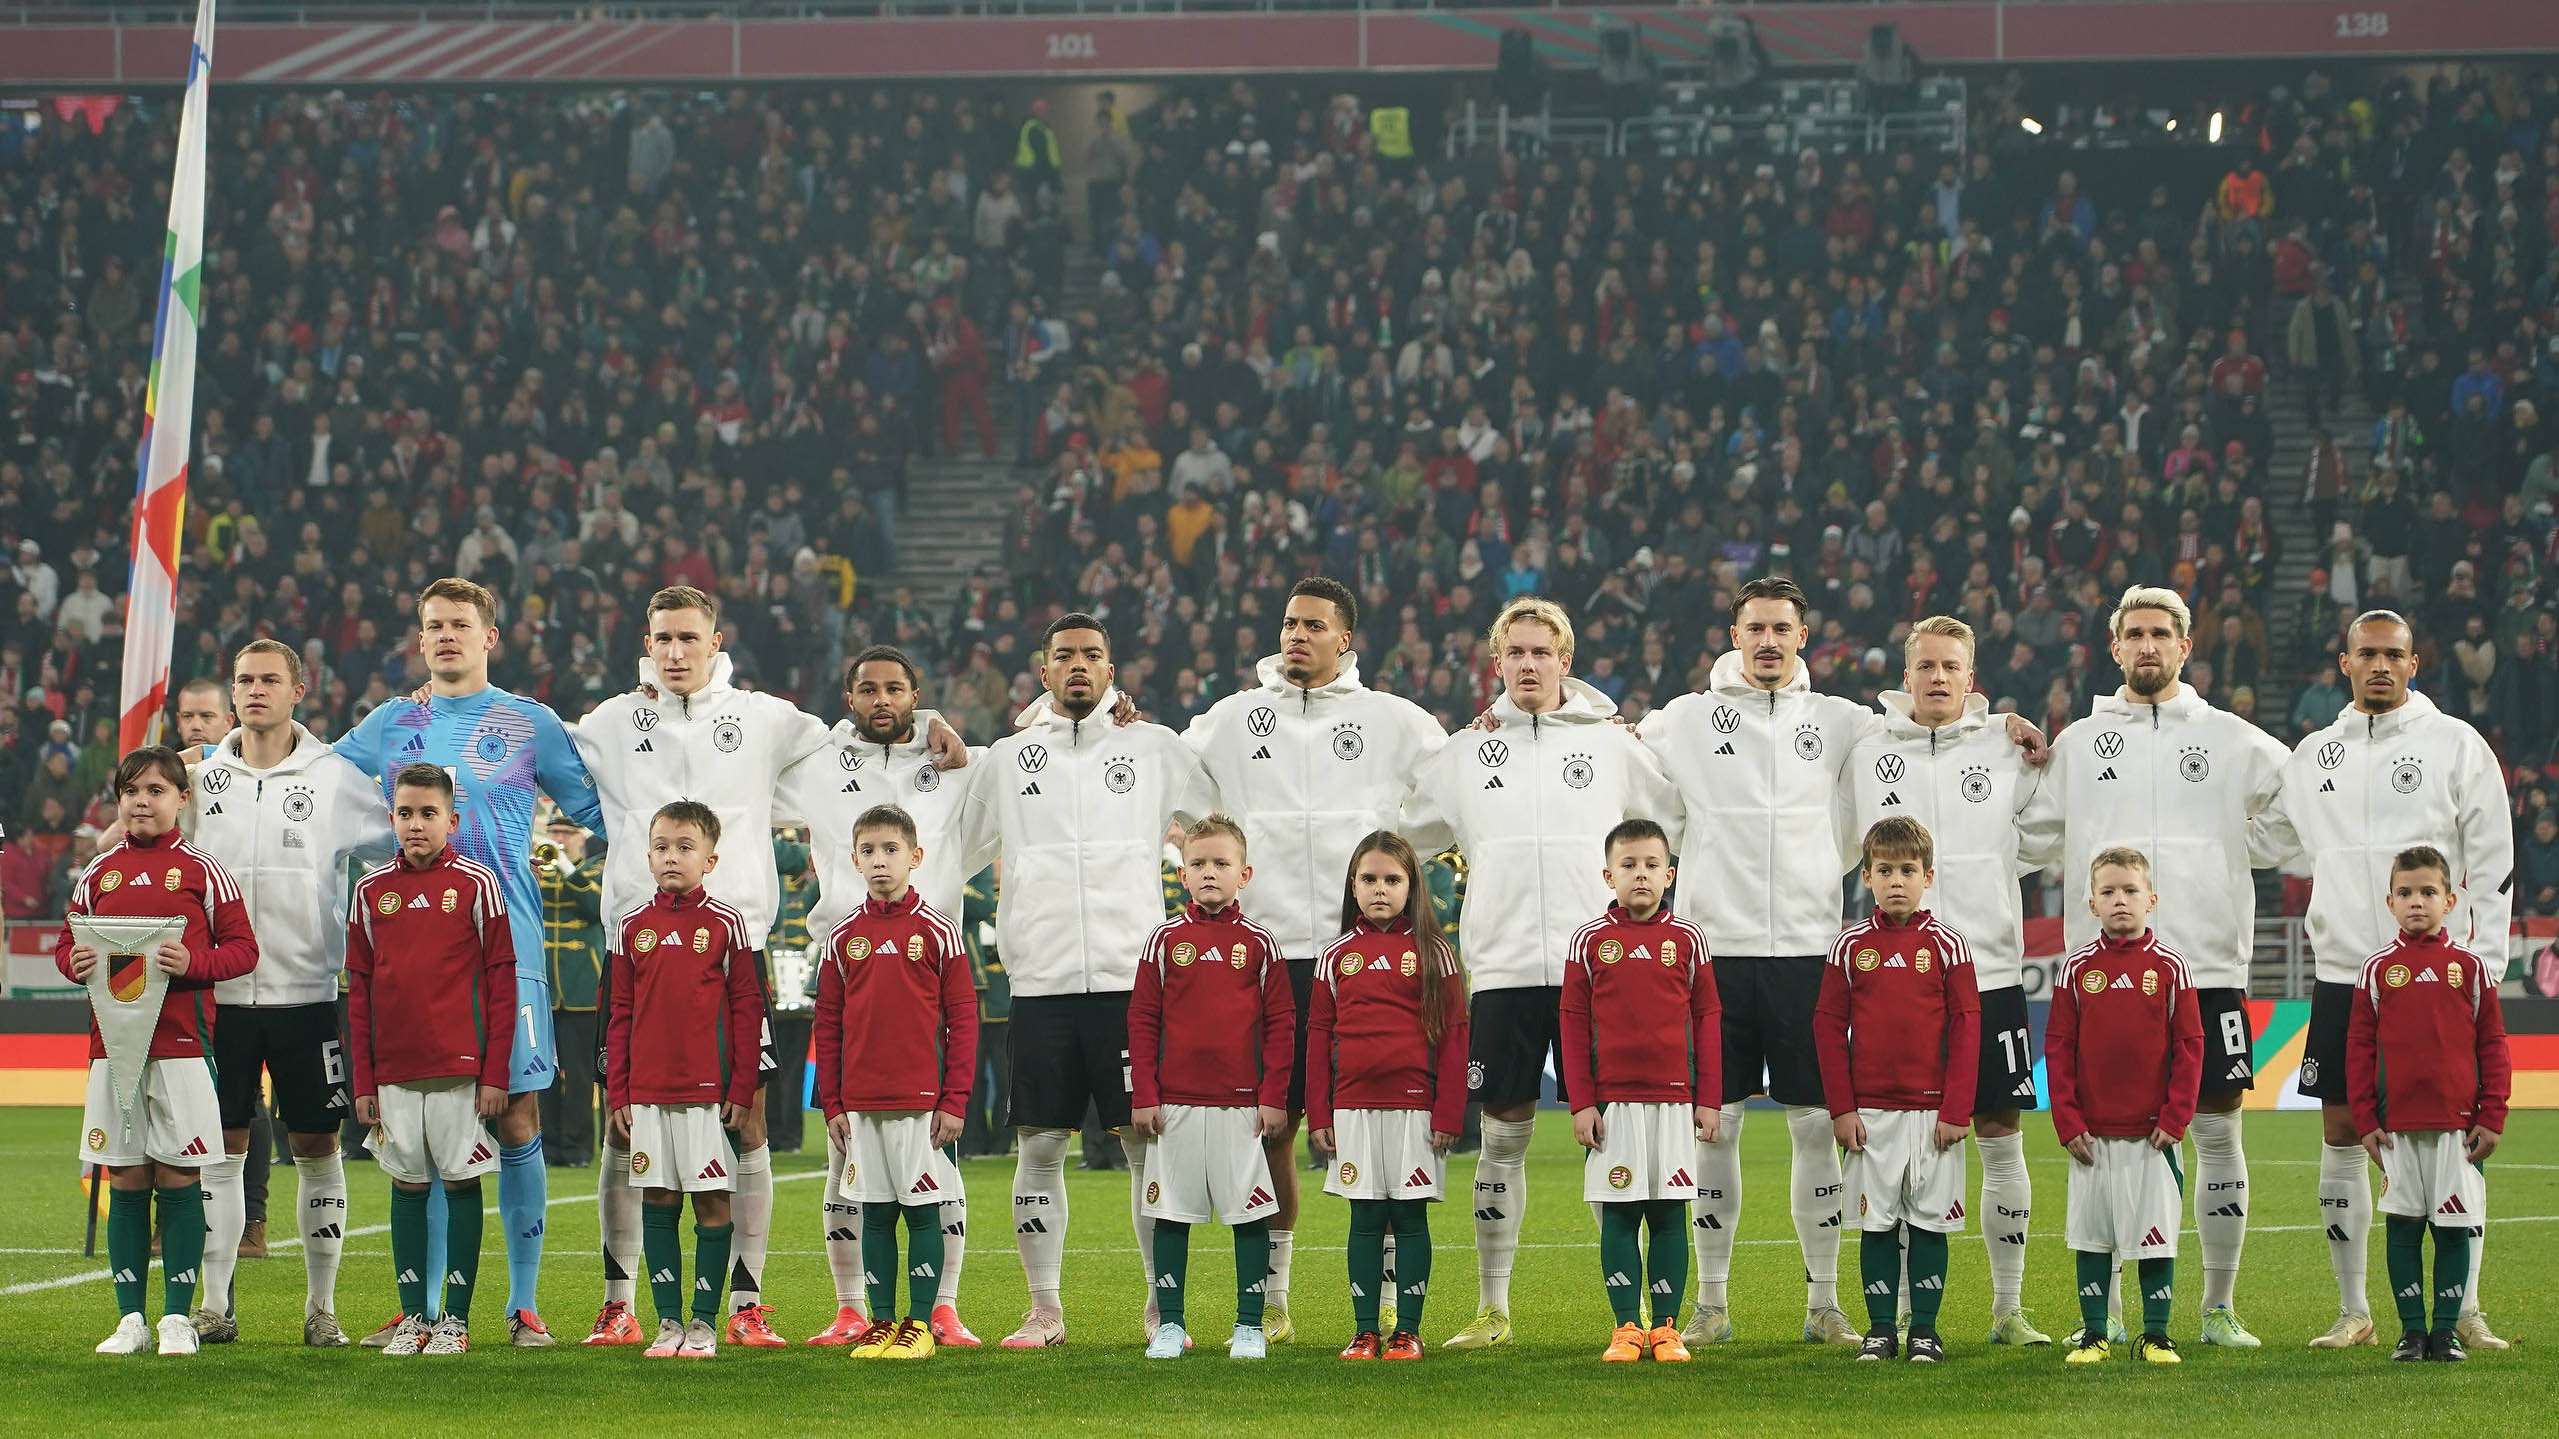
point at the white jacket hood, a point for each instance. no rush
(1582, 704)
(1041, 712)
(721, 684)
(1898, 722)
(1729, 677)
(1345, 681)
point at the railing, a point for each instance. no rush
(171, 12)
(1498, 131)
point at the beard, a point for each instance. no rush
(896, 729)
(2150, 684)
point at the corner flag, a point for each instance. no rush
(168, 426)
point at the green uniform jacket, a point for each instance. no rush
(799, 895)
(986, 967)
(573, 932)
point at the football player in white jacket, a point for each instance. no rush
(284, 814)
(2391, 771)
(690, 734)
(2156, 768)
(881, 752)
(1079, 806)
(1308, 761)
(1940, 758)
(1531, 801)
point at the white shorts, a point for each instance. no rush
(2426, 1176)
(893, 1161)
(1901, 1177)
(1384, 1154)
(1646, 1151)
(177, 1121)
(433, 1128)
(1209, 1166)
(2127, 1203)
(681, 1147)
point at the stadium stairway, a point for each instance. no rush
(954, 516)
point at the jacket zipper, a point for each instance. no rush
(1306, 792)
(1083, 946)
(257, 859)
(1537, 812)
(1768, 893)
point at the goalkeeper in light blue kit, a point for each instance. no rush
(502, 750)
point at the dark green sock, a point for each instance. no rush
(1172, 1268)
(1368, 1261)
(662, 1254)
(461, 1246)
(2404, 1251)
(1666, 1261)
(923, 1260)
(129, 1245)
(409, 1249)
(1879, 1271)
(1410, 1219)
(2096, 1276)
(2158, 1290)
(1927, 1276)
(181, 1246)
(1621, 1260)
(710, 1268)
(1252, 1270)
(2452, 1275)
(879, 1259)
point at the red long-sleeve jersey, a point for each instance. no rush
(687, 1011)
(159, 878)
(1641, 1021)
(1898, 1023)
(1365, 1046)
(2123, 1046)
(896, 1012)
(2426, 1042)
(1207, 985)
(430, 974)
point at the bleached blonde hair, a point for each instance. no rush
(1542, 611)
(2152, 597)
(1946, 625)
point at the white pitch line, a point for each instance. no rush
(92, 1276)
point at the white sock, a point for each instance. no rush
(2221, 1203)
(955, 1243)
(1140, 1151)
(1039, 1211)
(2345, 1211)
(2007, 1206)
(226, 1217)
(324, 1229)
(1501, 1200)
(1386, 1276)
(843, 1224)
(1718, 1211)
(2470, 1292)
(1813, 1194)
(1275, 1287)
(617, 1214)
(752, 1210)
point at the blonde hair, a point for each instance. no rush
(2124, 856)
(2152, 597)
(683, 597)
(1541, 611)
(1214, 825)
(1947, 625)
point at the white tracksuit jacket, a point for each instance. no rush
(2369, 786)
(286, 835)
(1078, 809)
(721, 745)
(2192, 787)
(1531, 803)
(1309, 773)
(1759, 774)
(1986, 813)
(830, 788)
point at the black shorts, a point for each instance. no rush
(1301, 985)
(2323, 1046)
(1068, 1050)
(298, 1044)
(2230, 1042)
(1768, 1027)
(2007, 1074)
(1515, 1031)
(766, 1062)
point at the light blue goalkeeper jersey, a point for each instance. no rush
(501, 749)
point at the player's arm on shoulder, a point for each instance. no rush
(1426, 818)
(1650, 793)
(1191, 792)
(561, 770)
(2481, 808)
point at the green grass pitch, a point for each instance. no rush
(54, 1305)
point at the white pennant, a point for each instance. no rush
(125, 993)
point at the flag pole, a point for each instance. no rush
(168, 427)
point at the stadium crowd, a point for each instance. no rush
(577, 347)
